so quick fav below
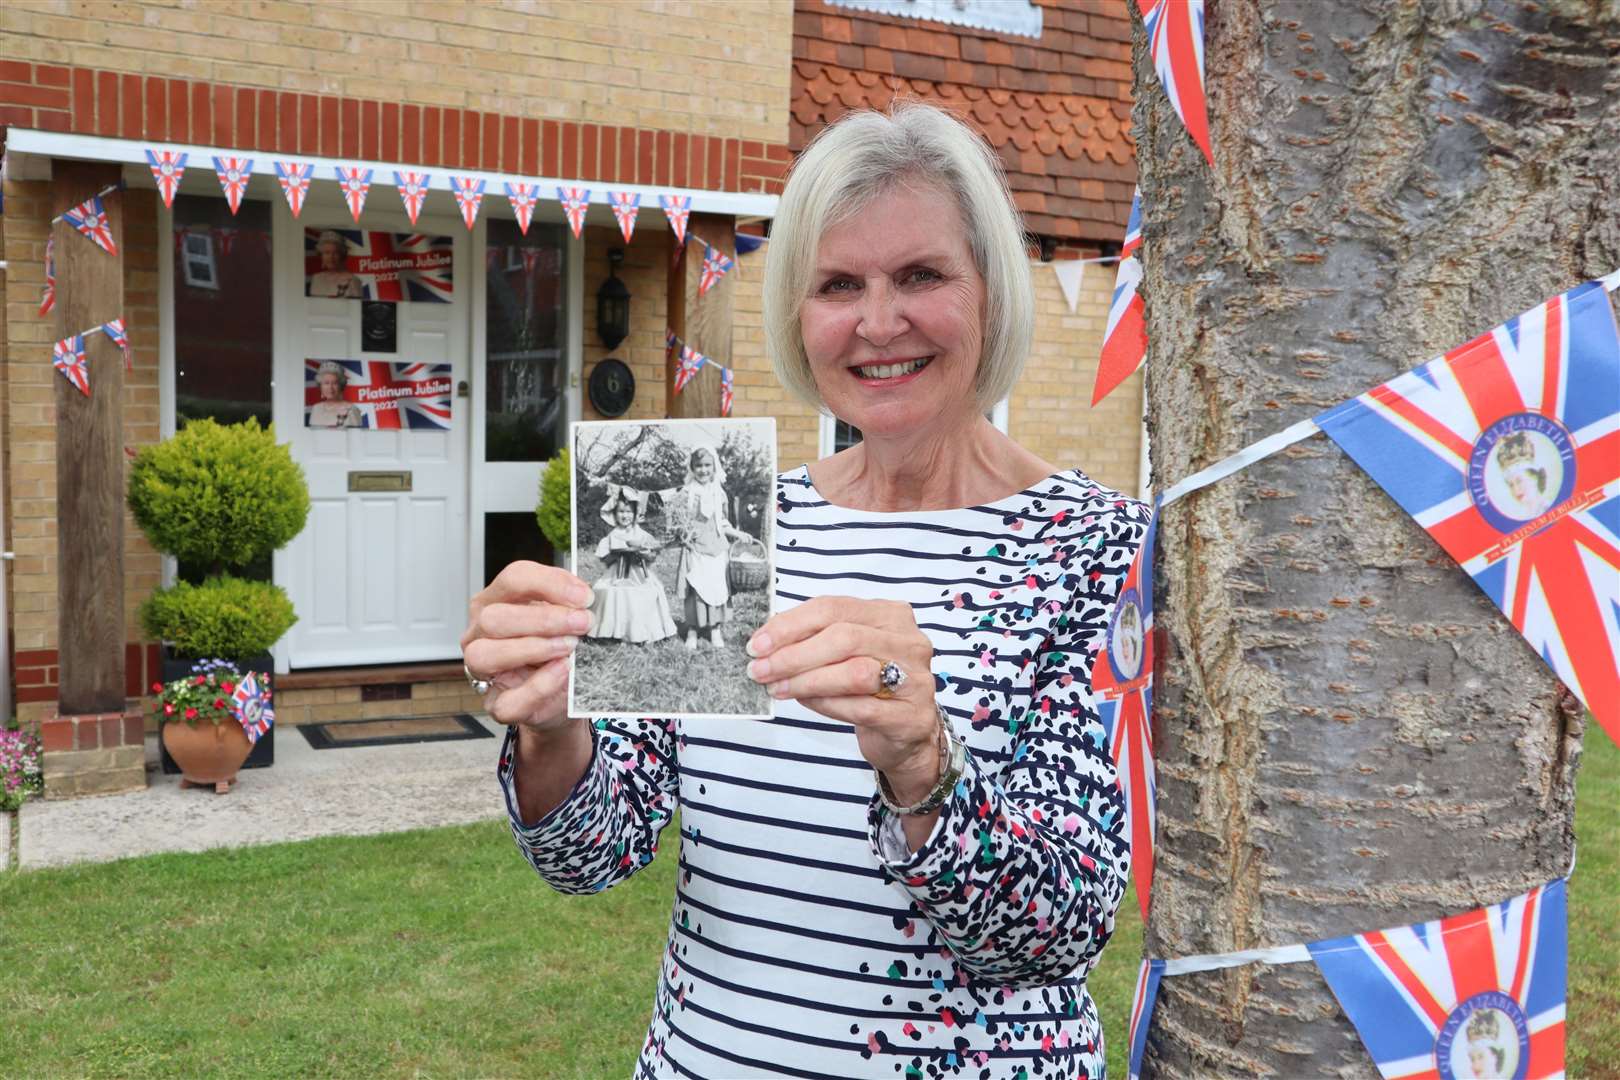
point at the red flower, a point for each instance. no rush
(157, 688)
(228, 686)
(168, 709)
(191, 714)
(219, 703)
(201, 679)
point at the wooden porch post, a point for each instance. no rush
(704, 324)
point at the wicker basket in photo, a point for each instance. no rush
(748, 569)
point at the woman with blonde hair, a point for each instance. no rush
(910, 869)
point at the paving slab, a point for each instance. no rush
(348, 791)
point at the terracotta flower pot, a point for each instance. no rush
(208, 754)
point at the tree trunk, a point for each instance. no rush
(1350, 735)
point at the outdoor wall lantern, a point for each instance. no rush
(613, 304)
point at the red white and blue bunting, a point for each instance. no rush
(68, 356)
(293, 177)
(413, 189)
(575, 202)
(523, 198)
(234, 174)
(168, 166)
(626, 205)
(469, 193)
(688, 362)
(355, 182)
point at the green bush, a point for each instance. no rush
(218, 495)
(224, 617)
(555, 511)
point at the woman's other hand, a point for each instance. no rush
(827, 653)
(521, 631)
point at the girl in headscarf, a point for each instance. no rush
(628, 602)
(700, 579)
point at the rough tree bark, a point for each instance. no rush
(1350, 735)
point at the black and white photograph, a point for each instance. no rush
(672, 529)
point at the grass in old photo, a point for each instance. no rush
(665, 677)
(439, 952)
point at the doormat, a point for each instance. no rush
(393, 731)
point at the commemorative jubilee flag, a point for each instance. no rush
(67, 356)
(1147, 992)
(390, 396)
(251, 705)
(1507, 450)
(234, 174)
(387, 265)
(168, 166)
(294, 177)
(90, 219)
(1473, 995)
(413, 189)
(1122, 682)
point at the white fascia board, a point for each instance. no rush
(55, 144)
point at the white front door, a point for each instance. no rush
(379, 575)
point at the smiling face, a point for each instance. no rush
(624, 515)
(893, 325)
(702, 467)
(331, 255)
(328, 383)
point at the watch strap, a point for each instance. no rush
(952, 764)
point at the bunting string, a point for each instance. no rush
(689, 362)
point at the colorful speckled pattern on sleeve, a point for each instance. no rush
(805, 941)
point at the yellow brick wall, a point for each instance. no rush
(1050, 409)
(711, 67)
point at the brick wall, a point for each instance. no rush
(716, 68)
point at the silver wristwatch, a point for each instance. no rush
(952, 764)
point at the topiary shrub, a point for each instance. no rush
(555, 512)
(224, 617)
(218, 496)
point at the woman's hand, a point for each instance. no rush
(521, 631)
(827, 653)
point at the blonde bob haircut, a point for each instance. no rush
(855, 160)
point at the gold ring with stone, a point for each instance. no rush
(891, 677)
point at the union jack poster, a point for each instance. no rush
(47, 299)
(234, 174)
(90, 218)
(715, 265)
(1122, 680)
(1147, 993)
(575, 202)
(678, 208)
(725, 391)
(378, 394)
(354, 182)
(690, 363)
(355, 264)
(413, 189)
(168, 166)
(1474, 995)
(625, 208)
(523, 197)
(252, 706)
(1125, 339)
(293, 177)
(469, 195)
(119, 336)
(1175, 33)
(67, 356)
(1507, 450)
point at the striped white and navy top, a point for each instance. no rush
(806, 941)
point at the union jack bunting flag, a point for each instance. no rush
(469, 195)
(354, 183)
(1507, 450)
(1480, 994)
(625, 207)
(413, 189)
(293, 177)
(690, 362)
(1147, 992)
(234, 174)
(715, 265)
(389, 396)
(1175, 33)
(1133, 227)
(1122, 680)
(725, 391)
(670, 341)
(252, 706)
(47, 299)
(120, 337)
(678, 208)
(168, 166)
(523, 197)
(67, 356)
(90, 218)
(575, 202)
(1125, 339)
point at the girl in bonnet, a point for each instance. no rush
(700, 579)
(628, 601)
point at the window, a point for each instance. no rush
(525, 398)
(197, 260)
(222, 314)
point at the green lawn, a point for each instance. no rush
(439, 952)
